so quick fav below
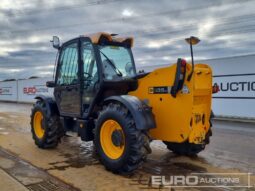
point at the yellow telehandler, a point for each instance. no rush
(99, 95)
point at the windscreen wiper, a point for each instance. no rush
(118, 72)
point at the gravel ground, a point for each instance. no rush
(73, 162)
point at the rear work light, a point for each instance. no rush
(179, 76)
(215, 88)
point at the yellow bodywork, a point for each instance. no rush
(185, 117)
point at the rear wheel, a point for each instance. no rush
(120, 145)
(186, 148)
(46, 130)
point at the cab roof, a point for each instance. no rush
(97, 38)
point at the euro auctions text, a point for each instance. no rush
(206, 180)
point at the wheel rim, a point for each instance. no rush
(110, 149)
(38, 129)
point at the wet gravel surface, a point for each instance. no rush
(32, 178)
(75, 163)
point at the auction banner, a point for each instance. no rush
(8, 91)
(236, 86)
(236, 97)
(29, 89)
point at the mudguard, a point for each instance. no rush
(140, 111)
(50, 103)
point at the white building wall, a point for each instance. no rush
(8, 91)
(236, 77)
(30, 88)
(24, 90)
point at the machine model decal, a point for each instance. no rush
(160, 90)
(166, 90)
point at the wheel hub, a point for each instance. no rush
(117, 138)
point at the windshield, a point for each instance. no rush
(117, 62)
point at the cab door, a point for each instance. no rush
(67, 90)
(90, 76)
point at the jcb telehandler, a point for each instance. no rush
(99, 95)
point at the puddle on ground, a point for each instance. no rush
(170, 164)
(78, 154)
(83, 155)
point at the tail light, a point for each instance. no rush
(215, 88)
(183, 68)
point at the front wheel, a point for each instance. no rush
(46, 130)
(120, 145)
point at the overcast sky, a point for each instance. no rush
(225, 27)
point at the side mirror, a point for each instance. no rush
(55, 42)
(50, 84)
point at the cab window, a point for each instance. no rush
(117, 62)
(90, 72)
(68, 65)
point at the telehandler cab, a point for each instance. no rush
(99, 95)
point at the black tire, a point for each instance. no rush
(51, 124)
(186, 148)
(136, 141)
